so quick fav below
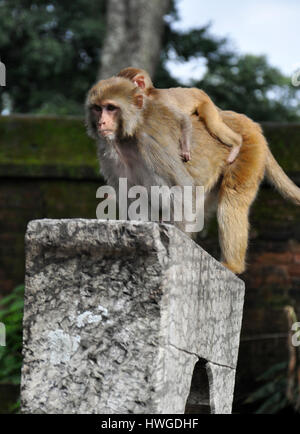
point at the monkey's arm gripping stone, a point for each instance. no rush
(117, 314)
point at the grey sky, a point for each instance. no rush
(268, 27)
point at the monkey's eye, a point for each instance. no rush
(97, 108)
(111, 108)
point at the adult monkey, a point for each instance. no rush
(142, 141)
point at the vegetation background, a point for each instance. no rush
(54, 51)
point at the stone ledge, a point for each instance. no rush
(117, 314)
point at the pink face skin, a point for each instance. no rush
(107, 116)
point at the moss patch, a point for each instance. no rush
(46, 146)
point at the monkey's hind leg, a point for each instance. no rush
(233, 231)
(233, 221)
(238, 190)
(216, 126)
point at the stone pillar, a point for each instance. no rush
(126, 317)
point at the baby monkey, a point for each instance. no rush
(188, 101)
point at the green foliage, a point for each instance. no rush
(194, 43)
(184, 46)
(271, 396)
(11, 314)
(248, 84)
(51, 51)
(243, 83)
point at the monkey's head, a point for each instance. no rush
(114, 109)
(139, 77)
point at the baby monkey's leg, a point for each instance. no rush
(215, 124)
(186, 134)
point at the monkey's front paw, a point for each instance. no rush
(186, 156)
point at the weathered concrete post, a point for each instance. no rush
(118, 314)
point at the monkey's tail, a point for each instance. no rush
(281, 181)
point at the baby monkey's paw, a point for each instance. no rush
(186, 156)
(233, 154)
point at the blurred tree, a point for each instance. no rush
(246, 84)
(184, 46)
(51, 50)
(133, 37)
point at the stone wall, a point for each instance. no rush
(48, 169)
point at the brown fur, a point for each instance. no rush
(152, 139)
(189, 101)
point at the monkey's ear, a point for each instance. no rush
(140, 81)
(139, 101)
